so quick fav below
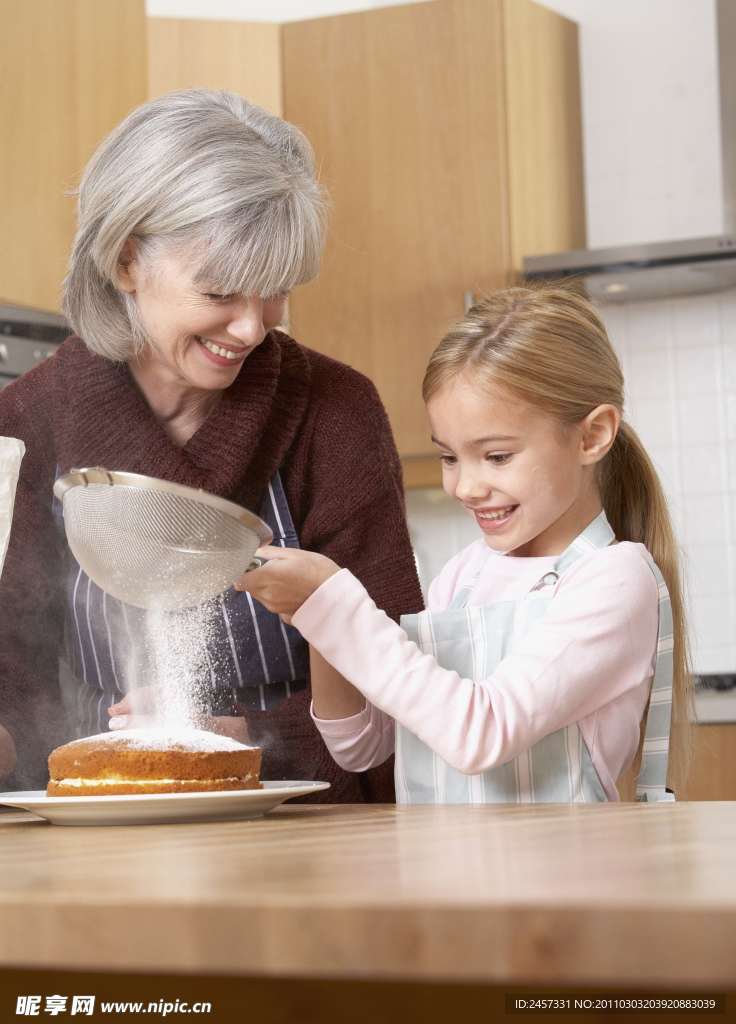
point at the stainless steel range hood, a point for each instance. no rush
(627, 273)
(681, 267)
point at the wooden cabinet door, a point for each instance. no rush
(713, 775)
(404, 107)
(70, 70)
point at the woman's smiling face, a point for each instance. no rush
(526, 480)
(199, 338)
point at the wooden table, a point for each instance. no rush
(613, 894)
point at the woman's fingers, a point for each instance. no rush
(8, 755)
(137, 722)
(141, 701)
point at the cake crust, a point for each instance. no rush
(137, 761)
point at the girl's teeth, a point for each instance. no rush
(218, 351)
(496, 515)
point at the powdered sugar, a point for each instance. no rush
(171, 672)
(188, 740)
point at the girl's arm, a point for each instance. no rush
(332, 695)
(357, 735)
(592, 649)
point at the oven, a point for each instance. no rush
(27, 337)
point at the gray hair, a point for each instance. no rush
(203, 174)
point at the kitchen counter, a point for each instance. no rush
(611, 894)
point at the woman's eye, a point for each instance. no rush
(217, 297)
(448, 460)
(499, 459)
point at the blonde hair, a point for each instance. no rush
(549, 347)
(204, 174)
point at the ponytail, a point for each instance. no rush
(636, 508)
(549, 348)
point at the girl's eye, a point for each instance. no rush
(448, 460)
(499, 459)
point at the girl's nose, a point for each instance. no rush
(246, 325)
(471, 483)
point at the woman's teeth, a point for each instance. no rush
(499, 514)
(217, 349)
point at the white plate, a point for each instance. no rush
(159, 808)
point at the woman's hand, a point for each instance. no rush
(8, 755)
(137, 710)
(288, 579)
(140, 709)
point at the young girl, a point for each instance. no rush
(554, 645)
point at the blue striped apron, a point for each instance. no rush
(557, 769)
(246, 651)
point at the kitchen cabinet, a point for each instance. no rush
(244, 57)
(448, 135)
(69, 71)
(713, 775)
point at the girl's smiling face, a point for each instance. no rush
(199, 338)
(526, 479)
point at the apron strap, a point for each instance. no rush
(597, 534)
(463, 595)
(652, 780)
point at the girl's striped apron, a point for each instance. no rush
(558, 769)
(244, 647)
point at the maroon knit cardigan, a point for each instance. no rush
(318, 421)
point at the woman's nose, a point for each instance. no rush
(246, 324)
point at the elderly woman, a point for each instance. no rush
(197, 216)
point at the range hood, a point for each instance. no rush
(681, 267)
(627, 273)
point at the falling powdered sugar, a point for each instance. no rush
(173, 673)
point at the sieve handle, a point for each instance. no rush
(256, 563)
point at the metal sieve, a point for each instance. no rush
(155, 544)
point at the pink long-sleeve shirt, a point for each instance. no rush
(589, 660)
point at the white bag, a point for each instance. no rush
(11, 452)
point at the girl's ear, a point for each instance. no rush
(598, 432)
(127, 267)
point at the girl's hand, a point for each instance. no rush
(288, 579)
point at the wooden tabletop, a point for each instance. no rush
(603, 894)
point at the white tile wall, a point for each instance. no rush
(679, 360)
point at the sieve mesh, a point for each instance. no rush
(155, 548)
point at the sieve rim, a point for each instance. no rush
(99, 475)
